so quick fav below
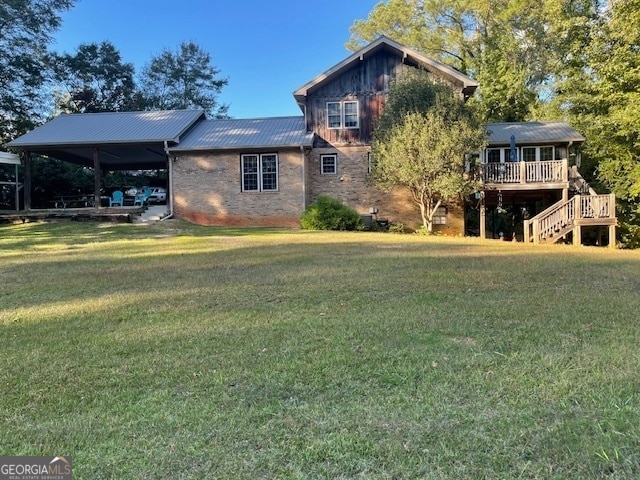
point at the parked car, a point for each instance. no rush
(158, 195)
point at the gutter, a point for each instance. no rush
(170, 165)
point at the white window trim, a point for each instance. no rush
(333, 156)
(440, 216)
(260, 172)
(343, 115)
(538, 152)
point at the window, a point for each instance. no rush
(329, 164)
(500, 155)
(260, 173)
(440, 216)
(334, 115)
(537, 154)
(342, 114)
(493, 155)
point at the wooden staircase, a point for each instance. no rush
(569, 216)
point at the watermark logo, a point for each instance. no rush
(35, 468)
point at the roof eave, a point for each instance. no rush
(467, 83)
(238, 147)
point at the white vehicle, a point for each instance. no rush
(158, 195)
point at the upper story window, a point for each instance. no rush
(537, 154)
(343, 114)
(260, 172)
(329, 164)
(500, 155)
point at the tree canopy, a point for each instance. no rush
(421, 142)
(26, 27)
(94, 79)
(514, 48)
(183, 79)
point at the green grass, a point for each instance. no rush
(175, 351)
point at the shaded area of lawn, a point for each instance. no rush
(185, 352)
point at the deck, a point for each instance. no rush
(545, 175)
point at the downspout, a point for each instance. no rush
(170, 169)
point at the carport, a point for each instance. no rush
(108, 142)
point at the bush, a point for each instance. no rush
(328, 213)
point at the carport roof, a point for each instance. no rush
(125, 140)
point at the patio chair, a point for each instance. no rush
(117, 198)
(142, 198)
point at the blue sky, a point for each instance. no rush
(266, 48)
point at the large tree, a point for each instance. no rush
(421, 141)
(94, 79)
(603, 102)
(26, 27)
(183, 79)
(515, 48)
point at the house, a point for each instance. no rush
(266, 171)
(532, 188)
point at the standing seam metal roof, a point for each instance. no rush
(247, 133)
(532, 133)
(111, 128)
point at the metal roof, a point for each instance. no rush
(225, 134)
(9, 158)
(468, 84)
(110, 128)
(124, 140)
(532, 133)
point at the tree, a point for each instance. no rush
(605, 106)
(421, 144)
(26, 27)
(94, 80)
(183, 79)
(514, 48)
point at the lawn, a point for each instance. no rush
(175, 351)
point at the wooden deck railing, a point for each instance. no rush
(526, 172)
(560, 218)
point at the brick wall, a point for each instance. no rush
(207, 191)
(350, 185)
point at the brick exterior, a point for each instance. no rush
(207, 191)
(350, 185)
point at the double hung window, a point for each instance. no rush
(537, 154)
(260, 172)
(329, 164)
(343, 114)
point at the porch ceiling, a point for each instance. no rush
(112, 157)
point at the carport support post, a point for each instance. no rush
(27, 181)
(96, 177)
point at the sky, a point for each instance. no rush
(266, 48)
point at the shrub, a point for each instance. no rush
(328, 213)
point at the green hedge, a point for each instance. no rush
(328, 213)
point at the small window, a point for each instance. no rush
(329, 164)
(260, 173)
(440, 216)
(343, 114)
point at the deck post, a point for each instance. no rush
(96, 178)
(27, 180)
(523, 172)
(483, 218)
(612, 236)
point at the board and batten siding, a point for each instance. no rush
(368, 83)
